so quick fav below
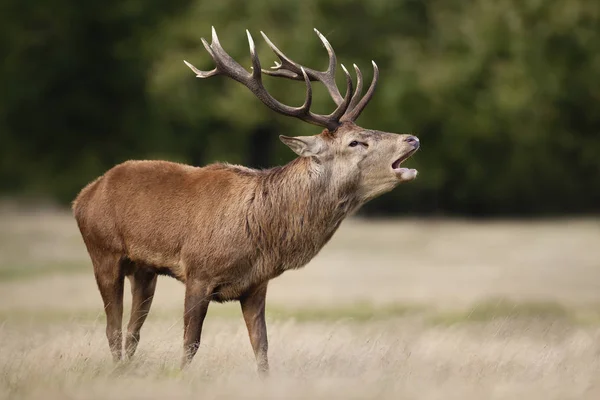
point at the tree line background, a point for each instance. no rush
(504, 94)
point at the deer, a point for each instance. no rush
(226, 230)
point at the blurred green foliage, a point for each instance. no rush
(504, 94)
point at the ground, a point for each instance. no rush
(414, 308)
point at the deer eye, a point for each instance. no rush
(353, 143)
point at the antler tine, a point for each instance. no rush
(358, 91)
(256, 70)
(201, 74)
(354, 112)
(343, 107)
(308, 101)
(332, 57)
(291, 70)
(204, 74)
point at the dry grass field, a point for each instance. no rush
(389, 309)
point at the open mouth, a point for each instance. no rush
(396, 164)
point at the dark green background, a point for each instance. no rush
(504, 94)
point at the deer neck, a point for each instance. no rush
(300, 206)
(314, 191)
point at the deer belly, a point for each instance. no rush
(230, 291)
(162, 262)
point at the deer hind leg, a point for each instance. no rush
(143, 285)
(110, 278)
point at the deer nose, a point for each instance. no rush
(413, 140)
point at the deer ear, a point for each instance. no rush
(304, 146)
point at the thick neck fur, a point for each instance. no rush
(295, 210)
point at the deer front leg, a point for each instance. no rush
(253, 309)
(197, 298)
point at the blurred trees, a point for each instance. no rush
(503, 93)
(74, 94)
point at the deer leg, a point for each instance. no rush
(253, 309)
(197, 298)
(109, 277)
(143, 285)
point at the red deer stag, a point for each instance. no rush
(226, 230)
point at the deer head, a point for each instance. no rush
(369, 159)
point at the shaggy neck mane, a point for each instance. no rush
(295, 209)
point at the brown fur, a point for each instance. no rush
(225, 230)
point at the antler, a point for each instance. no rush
(289, 69)
(225, 65)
